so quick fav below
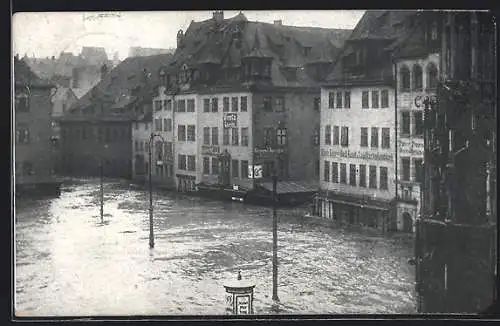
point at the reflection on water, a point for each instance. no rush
(67, 263)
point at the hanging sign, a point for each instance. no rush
(230, 120)
(255, 171)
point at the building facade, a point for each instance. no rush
(32, 125)
(456, 242)
(248, 96)
(359, 138)
(141, 132)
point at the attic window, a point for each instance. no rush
(307, 50)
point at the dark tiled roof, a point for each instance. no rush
(119, 83)
(215, 42)
(380, 24)
(23, 75)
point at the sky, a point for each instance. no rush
(48, 34)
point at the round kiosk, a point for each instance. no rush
(239, 296)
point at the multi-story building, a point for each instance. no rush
(103, 117)
(32, 125)
(417, 65)
(457, 233)
(245, 94)
(141, 132)
(358, 134)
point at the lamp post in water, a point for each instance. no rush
(275, 239)
(151, 232)
(102, 187)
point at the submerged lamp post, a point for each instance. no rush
(151, 233)
(275, 239)
(102, 187)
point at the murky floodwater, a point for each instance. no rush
(68, 264)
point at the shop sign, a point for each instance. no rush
(345, 153)
(210, 150)
(230, 120)
(420, 100)
(257, 169)
(268, 152)
(411, 146)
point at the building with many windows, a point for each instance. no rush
(246, 93)
(358, 135)
(32, 125)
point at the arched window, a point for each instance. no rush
(417, 77)
(432, 76)
(404, 76)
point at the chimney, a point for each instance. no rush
(104, 70)
(180, 38)
(278, 22)
(218, 16)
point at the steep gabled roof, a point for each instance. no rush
(23, 75)
(131, 74)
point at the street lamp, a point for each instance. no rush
(102, 187)
(151, 233)
(275, 239)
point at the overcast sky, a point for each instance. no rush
(47, 34)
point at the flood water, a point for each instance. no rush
(69, 264)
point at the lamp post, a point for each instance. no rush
(102, 187)
(275, 239)
(151, 232)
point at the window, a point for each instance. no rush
(168, 107)
(373, 177)
(419, 169)
(335, 172)
(191, 163)
(404, 76)
(328, 135)
(384, 99)
(22, 102)
(405, 168)
(331, 100)
(336, 138)
(181, 106)
(206, 105)
(243, 100)
(206, 165)
(22, 135)
(362, 175)
(405, 123)
(326, 175)
(234, 136)
(364, 137)
(386, 138)
(168, 124)
(417, 77)
(181, 162)
(317, 103)
(352, 174)
(225, 104)
(164, 103)
(280, 104)
(432, 76)
(374, 138)
(191, 133)
(136, 125)
(190, 106)
(169, 149)
(244, 169)
(316, 168)
(339, 100)
(215, 105)
(234, 104)
(157, 105)
(345, 137)
(316, 136)
(267, 103)
(347, 99)
(225, 136)
(383, 178)
(146, 126)
(375, 99)
(343, 173)
(181, 133)
(157, 124)
(206, 135)
(235, 168)
(268, 137)
(215, 165)
(419, 123)
(215, 136)
(364, 100)
(136, 145)
(434, 31)
(244, 136)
